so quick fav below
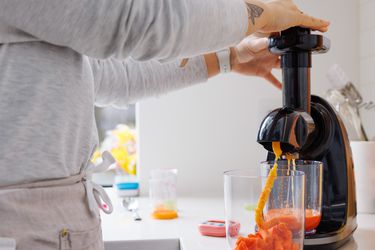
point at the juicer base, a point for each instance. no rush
(330, 246)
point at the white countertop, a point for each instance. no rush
(120, 226)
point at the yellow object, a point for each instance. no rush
(124, 160)
(96, 156)
(165, 214)
(124, 135)
(268, 186)
(121, 143)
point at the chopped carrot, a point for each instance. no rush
(278, 237)
(241, 246)
(296, 246)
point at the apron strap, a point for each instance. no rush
(47, 183)
(95, 193)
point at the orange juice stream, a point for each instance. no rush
(291, 161)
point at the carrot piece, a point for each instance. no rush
(241, 246)
(278, 237)
(269, 243)
(251, 242)
(279, 245)
(295, 246)
(282, 231)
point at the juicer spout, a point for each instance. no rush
(289, 127)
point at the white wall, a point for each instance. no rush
(367, 61)
(209, 128)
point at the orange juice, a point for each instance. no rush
(284, 215)
(312, 219)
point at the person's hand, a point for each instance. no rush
(252, 58)
(278, 15)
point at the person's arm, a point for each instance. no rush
(119, 83)
(142, 29)
(150, 29)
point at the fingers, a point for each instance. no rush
(277, 64)
(270, 59)
(249, 47)
(260, 35)
(273, 80)
(257, 44)
(314, 23)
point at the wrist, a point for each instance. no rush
(212, 64)
(234, 59)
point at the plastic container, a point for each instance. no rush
(313, 189)
(285, 205)
(163, 193)
(126, 185)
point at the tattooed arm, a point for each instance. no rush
(277, 15)
(251, 56)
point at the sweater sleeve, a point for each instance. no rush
(118, 83)
(142, 29)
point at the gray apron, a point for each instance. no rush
(55, 214)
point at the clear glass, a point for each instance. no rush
(163, 190)
(313, 189)
(285, 205)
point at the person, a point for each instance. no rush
(58, 59)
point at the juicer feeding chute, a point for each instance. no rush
(292, 125)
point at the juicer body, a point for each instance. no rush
(309, 127)
(331, 146)
(339, 211)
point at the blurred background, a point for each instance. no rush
(212, 127)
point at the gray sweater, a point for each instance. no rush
(58, 59)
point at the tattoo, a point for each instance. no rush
(254, 11)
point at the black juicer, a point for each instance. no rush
(309, 127)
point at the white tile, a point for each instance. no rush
(368, 88)
(367, 43)
(368, 116)
(364, 1)
(367, 15)
(367, 70)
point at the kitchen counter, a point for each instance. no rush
(119, 226)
